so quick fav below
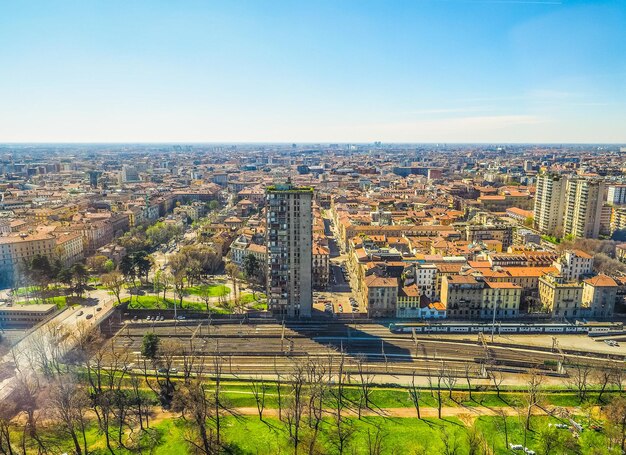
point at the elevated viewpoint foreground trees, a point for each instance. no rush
(106, 400)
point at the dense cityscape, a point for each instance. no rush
(262, 267)
(317, 227)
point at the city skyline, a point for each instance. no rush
(418, 72)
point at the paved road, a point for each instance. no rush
(65, 325)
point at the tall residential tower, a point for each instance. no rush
(289, 250)
(549, 203)
(583, 207)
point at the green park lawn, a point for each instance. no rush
(152, 302)
(248, 435)
(155, 302)
(214, 290)
(240, 395)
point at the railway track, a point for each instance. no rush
(269, 348)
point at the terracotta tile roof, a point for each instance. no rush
(601, 281)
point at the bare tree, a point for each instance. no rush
(69, 403)
(193, 400)
(532, 397)
(106, 371)
(616, 416)
(316, 373)
(366, 379)
(375, 440)
(415, 394)
(449, 379)
(429, 379)
(114, 283)
(603, 378)
(343, 429)
(140, 404)
(502, 424)
(7, 445)
(579, 377)
(450, 443)
(617, 377)
(497, 377)
(476, 442)
(468, 378)
(295, 409)
(440, 375)
(258, 390)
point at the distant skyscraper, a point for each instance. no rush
(129, 174)
(289, 250)
(549, 203)
(583, 207)
(93, 178)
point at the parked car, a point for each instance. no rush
(89, 316)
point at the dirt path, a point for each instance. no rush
(467, 414)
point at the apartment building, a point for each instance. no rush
(560, 297)
(574, 264)
(380, 296)
(475, 233)
(616, 194)
(321, 266)
(549, 202)
(289, 249)
(426, 279)
(503, 297)
(599, 296)
(462, 296)
(584, 201)
(18, 249)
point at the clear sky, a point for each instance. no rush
(296, 71)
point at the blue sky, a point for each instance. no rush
(296, 71)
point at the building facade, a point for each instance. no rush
(583, 208)
(549, 200)
(289, 250)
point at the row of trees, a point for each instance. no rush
(43, 273)
(60, 396)
(141, 238)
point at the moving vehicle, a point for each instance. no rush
(591, 329)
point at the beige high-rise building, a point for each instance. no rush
(584, 200)
(289, 250)
(549, 203)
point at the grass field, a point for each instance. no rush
(214, 290)
(240, 395)
(152, 302)
(248, 435)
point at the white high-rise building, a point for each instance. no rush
(583, 207)
(616, 194)
(549, 203)
(289, 250)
